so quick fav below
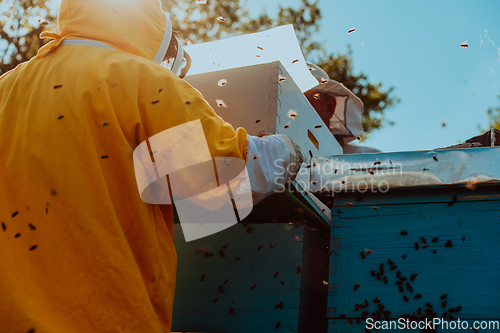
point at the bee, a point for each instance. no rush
(443, 296)
(221, 19)
(376, 300)
(429, 305)
(362, 254)
(406, 298)
(390, 262)
(208, 254)
(3, 226)
(221, 253)
(458, 308)
(349, 320)
(104, 157)
(356, 307)
(257, 121)
(260, 48)
(417, 296)
(448, 243)
(454, 199)
(419, 310)
(281, 78)
(358, 321)
(14, 214)
(225, 281)
(463, 239)
(318, 126)
(435, 240)
(424, 240)
(404, 256)
(17, 236)
(105, 124)
(271, 245)
(362, 306)
(409, 287)
(230, 311)
(220, 290)
(425, 246)
(58, 86)
(216, 299)
(259, 247)
(381, 268)
(277, 326)
(299, 269)
(434, 251)
(351, 30)
(399, 283)
(464, 45)
(188, 102)
(367, 303)
(401, 290)
(279, 305)
(413, 276)
(342, 316)
(403, 233)
(60, 117)
(475, 329)
(416, 246)
(451, 318)
(203, 276)
(368, 251)
(443, 305)
(248, 230)
(424, 169)
(435, 158)
(385, 279)
(398, 274)
(393, 267)
(349, 204)
(374, 207)
(276, 274)
(378, 276)
(356, 287)
(33, 247)
(372, 272)
(282, 282)
(296, 60)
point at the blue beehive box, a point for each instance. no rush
(437, 240)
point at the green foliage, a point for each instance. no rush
(374, 98)
(494, 117)
(20, 27)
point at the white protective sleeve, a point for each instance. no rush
(267, 164)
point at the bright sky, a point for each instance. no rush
(415, 47)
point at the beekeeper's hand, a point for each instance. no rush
(273, 163)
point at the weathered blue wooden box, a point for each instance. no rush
(267, 274)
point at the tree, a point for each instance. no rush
(202, 21)
(375, 100)
(494, 117)
(21, 26)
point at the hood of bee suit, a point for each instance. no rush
(139, 27)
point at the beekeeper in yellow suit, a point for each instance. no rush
(80, 251)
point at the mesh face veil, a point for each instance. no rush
(171, 46)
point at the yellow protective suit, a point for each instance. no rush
(80, 251)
